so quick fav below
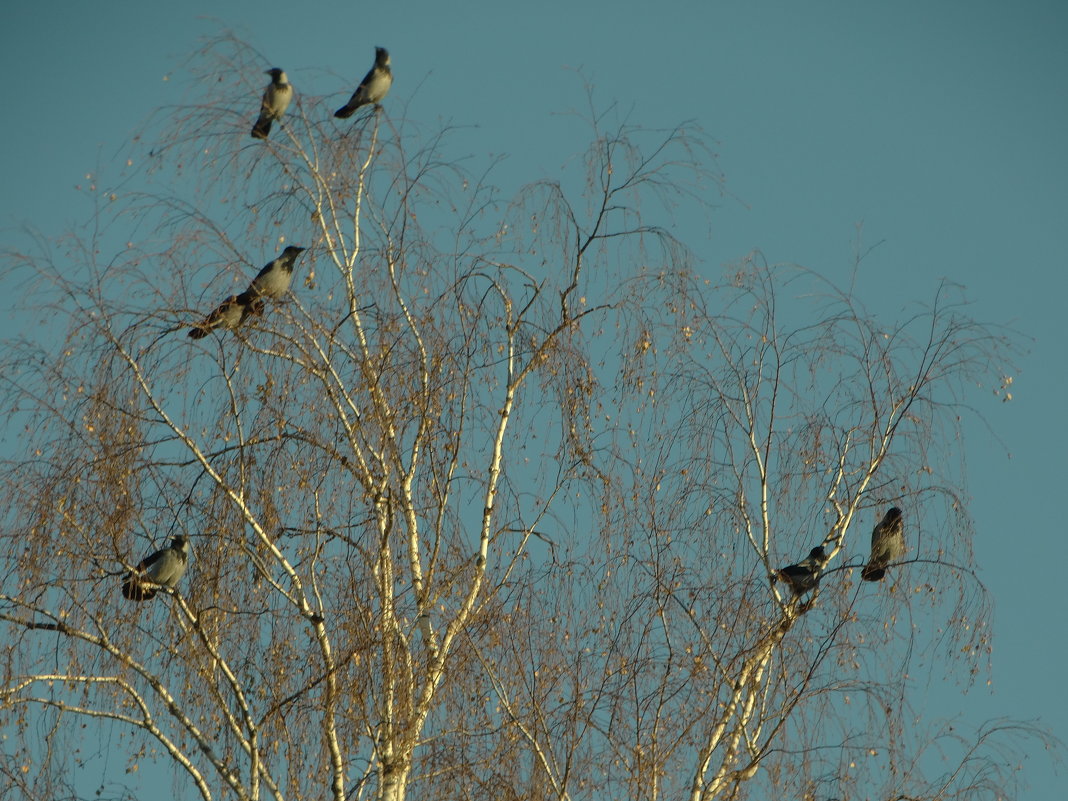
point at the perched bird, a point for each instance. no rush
(887, 545)
(805, 575)
(273, 280)
(230, 314)
(373, 88)
(161, 570)
(275, 101)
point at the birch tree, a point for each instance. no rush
(490, 504)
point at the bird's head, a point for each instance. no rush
(381, 57)
(893, 514)
(818, 554)
(293, 250)
(276, 73)
(180, 543)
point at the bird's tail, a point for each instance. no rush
(344, 112)
(872, 573)
(134, 590)
(199, 332)
(262, 128)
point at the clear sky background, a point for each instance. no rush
(940, 128)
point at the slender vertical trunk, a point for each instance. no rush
(394, 782)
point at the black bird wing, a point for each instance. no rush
(217, 317)
(231, 313)
(805, 575)
(138, 586)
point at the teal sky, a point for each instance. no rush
(936, 130)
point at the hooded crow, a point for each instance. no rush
(373, 88)
(887, 545)
(275, 101)
(805, 575)
(163, 569)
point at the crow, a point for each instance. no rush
(805, 575)
(373, 88)
(887, 545)
(275, 101)
(163, 569)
